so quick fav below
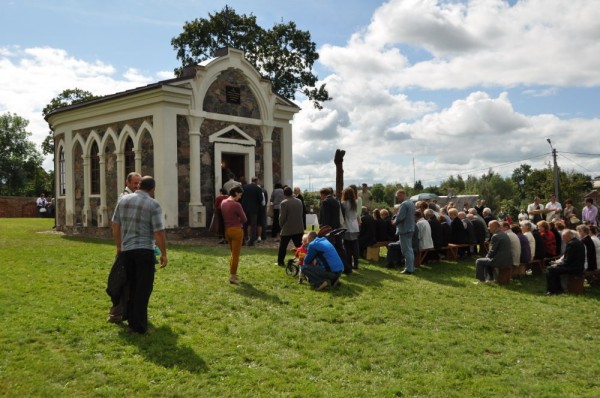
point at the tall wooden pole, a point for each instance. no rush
(339, 172)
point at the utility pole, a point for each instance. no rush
(556, 179)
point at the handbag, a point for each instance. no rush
(342, 219)
(217, 225)
(270, 211)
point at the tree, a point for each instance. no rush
(519, 177)
(66, 98)
(20, 161)
(284, 54)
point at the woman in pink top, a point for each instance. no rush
(234, 219)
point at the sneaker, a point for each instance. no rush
(323, 285)
(258, 240)
(528, 272)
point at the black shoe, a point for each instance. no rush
(249, 242)
(407, 272)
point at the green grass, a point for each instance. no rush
(381, 334)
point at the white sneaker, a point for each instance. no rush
(528, 272)
(258, 239)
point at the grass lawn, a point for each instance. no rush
(380, 334)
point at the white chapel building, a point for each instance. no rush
(189, 133)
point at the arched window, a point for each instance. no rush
(62, 174)
(95, 170)
(129, 156)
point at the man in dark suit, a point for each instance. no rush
(572, 262)
(251, 202)
(290, 219)
(329, 213)
(367, 235)
(499, 255)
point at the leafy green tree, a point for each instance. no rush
(496, 190)
(454, 185)
(284, 54)
(378, 192)
(20, 161)
(519, 177)
(574, 185)
(66, 98)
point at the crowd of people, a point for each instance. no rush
(347, 227)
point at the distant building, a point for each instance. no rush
(188, 133)
(596, 182)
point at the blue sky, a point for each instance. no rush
(458, 86)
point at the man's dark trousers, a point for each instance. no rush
(139, 264)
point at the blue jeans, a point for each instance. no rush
(407, 251)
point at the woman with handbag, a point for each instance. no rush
(234, 219)
(216, 224)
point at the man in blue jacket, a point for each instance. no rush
(328, 268)
(405, 226)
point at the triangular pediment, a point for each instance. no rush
(232, 134)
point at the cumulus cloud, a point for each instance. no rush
(31, 77)
(468, 50)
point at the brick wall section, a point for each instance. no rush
(11, 206)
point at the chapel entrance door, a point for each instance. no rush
(234, 163)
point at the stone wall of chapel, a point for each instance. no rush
(147, 155)
(78, 177)
(59, 211)
(114, 184)
(183, 169)
(215, 99)
(276, 137)
(94, 206)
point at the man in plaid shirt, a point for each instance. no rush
(137, 223)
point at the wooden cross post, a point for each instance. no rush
(339, 172)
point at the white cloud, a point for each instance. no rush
(31, 77)
(489, 43)
(441, 48)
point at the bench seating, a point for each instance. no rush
(572, 284)
(420, 257)
(452, 249)
(503, 275)
(373, 250)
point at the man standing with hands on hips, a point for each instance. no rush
(137, 223)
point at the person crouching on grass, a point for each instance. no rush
(329, 265)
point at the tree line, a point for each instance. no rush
(513, 193)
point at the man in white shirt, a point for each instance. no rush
(553, 209)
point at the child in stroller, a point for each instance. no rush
(294, 264)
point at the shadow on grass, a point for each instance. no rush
(161, 348)
(246, 289)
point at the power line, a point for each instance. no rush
(469, 172)
(575, 163)
(582, 154)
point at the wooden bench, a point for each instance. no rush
(503, 275)
(452, 249)
(373, 250)
(420, 256)
(572, 284)
(593, 277)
